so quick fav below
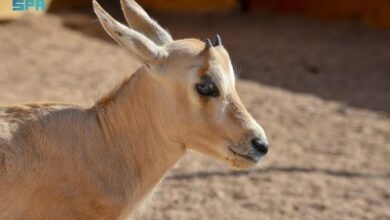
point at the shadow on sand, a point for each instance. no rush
(334, 173)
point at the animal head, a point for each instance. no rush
(209, 115)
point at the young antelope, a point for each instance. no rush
(69, 162)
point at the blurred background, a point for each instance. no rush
(314, 73)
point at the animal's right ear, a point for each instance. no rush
(145, 49)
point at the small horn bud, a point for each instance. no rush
(218, 41)
(208, 44)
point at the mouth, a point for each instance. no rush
(246, 157)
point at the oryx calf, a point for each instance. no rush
(68, 162)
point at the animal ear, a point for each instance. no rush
(143, 48)
(139, 20)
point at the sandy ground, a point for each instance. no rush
(320, 90)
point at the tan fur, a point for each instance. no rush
(60, 161)
(109, 97)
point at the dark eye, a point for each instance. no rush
(207, 88)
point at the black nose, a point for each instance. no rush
(260, 145)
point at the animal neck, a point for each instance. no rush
(135, 124)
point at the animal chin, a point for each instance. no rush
(243, 156)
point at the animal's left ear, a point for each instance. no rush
(139, 20)
(144, 49)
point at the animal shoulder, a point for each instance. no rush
(11, 117)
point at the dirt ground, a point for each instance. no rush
(320, 90)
